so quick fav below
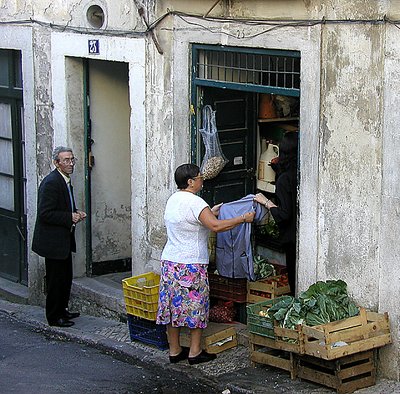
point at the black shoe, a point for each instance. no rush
(203, 357)
(183, 355)
(71, 315)
(61, 322)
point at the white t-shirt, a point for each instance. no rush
(187, 237)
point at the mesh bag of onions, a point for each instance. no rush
(222, 313)
(214, 159)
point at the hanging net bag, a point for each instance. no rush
(213, 160)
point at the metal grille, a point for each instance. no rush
(257, 69)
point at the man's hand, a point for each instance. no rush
(78, 216)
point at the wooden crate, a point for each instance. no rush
(286, 340)
(345, 374)
(216, 338)
(268, 288)
(265, 351)
(368, 330)
(260, 323)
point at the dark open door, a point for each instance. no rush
(13, 262)
(236, 117)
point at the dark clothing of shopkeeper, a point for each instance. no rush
(54, 235)
(284, 211)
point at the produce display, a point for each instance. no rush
(322, 303)
(270, 228)
(222, 313)
(271, 287)
(262, 268)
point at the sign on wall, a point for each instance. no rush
(94, 47)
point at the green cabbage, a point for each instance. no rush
(321, 303)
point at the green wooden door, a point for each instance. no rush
(13, 262)
(236, 124)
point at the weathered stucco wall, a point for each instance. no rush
(350, 162)
(389, 250)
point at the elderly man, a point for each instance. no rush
(54, 235)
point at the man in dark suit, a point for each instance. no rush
(54, 235)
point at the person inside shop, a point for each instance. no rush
(184, 289)
(284, 211)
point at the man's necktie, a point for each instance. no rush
(71, 196)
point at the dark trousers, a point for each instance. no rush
(290, 251)
(58, 283)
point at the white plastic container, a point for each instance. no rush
(265, 174)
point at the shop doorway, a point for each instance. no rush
(109, 167)
(237, 82)
(13, 247)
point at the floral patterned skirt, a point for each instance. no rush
(184, 295)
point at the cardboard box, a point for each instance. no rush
(216, 338)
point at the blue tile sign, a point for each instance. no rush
(94, 47)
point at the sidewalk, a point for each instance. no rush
(230, 371)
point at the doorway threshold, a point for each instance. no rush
(13, 292)
(100, 296)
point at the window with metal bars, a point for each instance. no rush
(253, 68)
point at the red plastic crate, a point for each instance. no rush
(229, 289)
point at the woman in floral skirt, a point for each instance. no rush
(184, 288)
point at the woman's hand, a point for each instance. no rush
(261, 199)
(215, 209)
(248, 217)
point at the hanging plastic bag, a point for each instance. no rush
(213, 160)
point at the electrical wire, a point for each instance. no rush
(272, 24)
(81, 30)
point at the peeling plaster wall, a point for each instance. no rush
(350, 162)
(159, 150)
(389, 275)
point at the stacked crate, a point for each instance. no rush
(268, 288)
(141, 302)
(242, 292)
(340, 354)
(229, 289)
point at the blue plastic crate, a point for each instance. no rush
(147, 331)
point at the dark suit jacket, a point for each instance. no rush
(53, 237)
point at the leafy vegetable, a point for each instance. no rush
(262, 268)
(270, 228)
(321, 303)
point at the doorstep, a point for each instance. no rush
(13, 292)
(100, 296)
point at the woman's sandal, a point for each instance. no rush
(183, 355)
(203, 357)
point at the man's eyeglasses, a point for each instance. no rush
(68, 161)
